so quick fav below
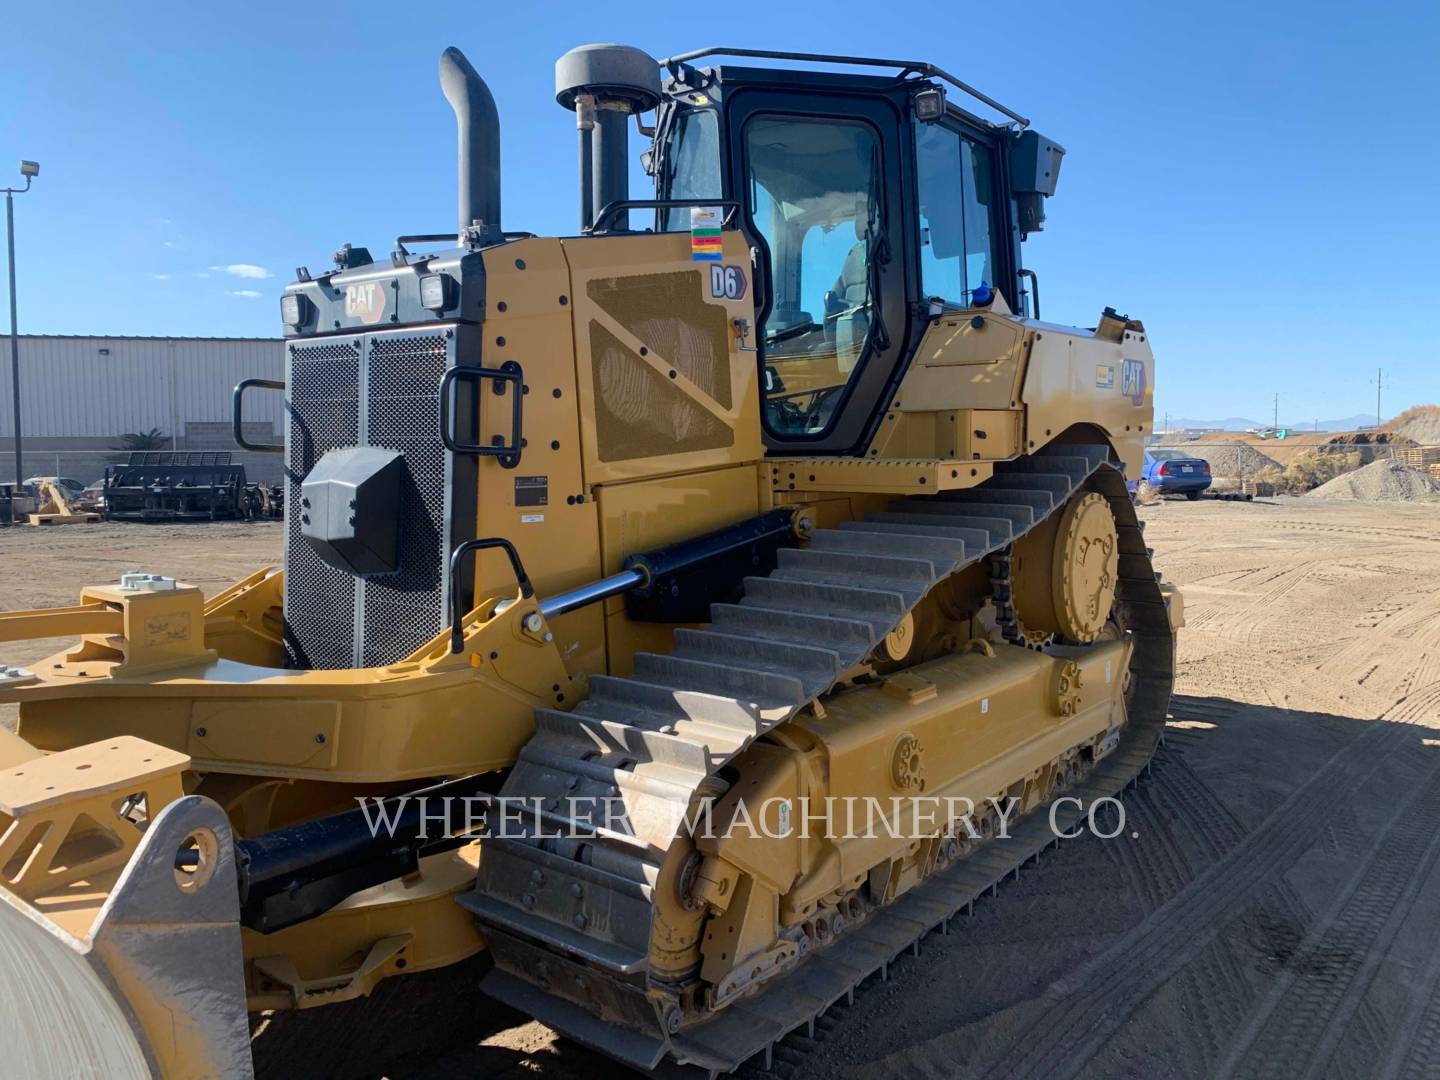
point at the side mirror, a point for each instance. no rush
(1034, 171)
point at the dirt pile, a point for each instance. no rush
(1422, 424)
(1370, 438)
(1380, 481)
(1226, 459)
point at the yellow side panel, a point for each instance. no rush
(960, 366)
(1074, 377)
(528, 320)
(664, 386)
(650, 514)
(303, 734)
(959, 398)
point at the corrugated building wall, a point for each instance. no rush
(99, 386)
(80, 395)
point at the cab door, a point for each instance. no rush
(822, 202)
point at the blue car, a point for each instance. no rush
(1172, 472)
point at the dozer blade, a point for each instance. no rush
(110, 966)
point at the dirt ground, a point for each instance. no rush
(47, 566)
(1271, 909)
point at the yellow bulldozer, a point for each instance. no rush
(693, 612)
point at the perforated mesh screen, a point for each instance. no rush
(640, 413)
(322, 399)
(406, 609)
(669, 313)
(396, 378)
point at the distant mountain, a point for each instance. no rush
(1230, 423)
(1350, 423)
(1241, 423)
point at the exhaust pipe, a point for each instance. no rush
(477, 124)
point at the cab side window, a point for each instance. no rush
(956, 213)
(975, 174)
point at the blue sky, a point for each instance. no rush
(1256, 181)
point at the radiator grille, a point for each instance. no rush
(404, 610)
(380, 390)
(323, 407)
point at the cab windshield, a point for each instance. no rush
(691, 164)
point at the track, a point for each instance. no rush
(569, 922)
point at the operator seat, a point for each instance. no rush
(849, 299)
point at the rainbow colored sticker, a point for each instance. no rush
(705, 245)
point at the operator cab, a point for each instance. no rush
(871, 204)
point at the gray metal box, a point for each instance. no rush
(350, 509)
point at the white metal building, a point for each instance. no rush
(80, 395)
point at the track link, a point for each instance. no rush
(569, 920)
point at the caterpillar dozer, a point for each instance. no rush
(694, 611)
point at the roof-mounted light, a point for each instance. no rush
(930, 104)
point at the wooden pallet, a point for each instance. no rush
(1419, 456)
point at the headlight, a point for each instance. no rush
(435, 292)
(930, 104)
(294, 310)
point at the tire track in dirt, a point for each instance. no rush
(1302, 526)
(1407, 1047)
(1416, 1046)
(1303, 1016)
(1213, 985)
(1154, 867)
(1090, 1004)
(1215, 989)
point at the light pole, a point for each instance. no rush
(29, 170)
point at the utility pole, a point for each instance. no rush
(1379, 375)
(1275, 419)
(29, 170)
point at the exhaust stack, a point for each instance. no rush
(477, 124)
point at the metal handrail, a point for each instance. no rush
(237, 415)
(1034, 291)
(920, 67)
(619, 206)
(511, 372)
(450, 238)
(457, 613)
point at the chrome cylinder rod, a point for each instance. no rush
(589, 594)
